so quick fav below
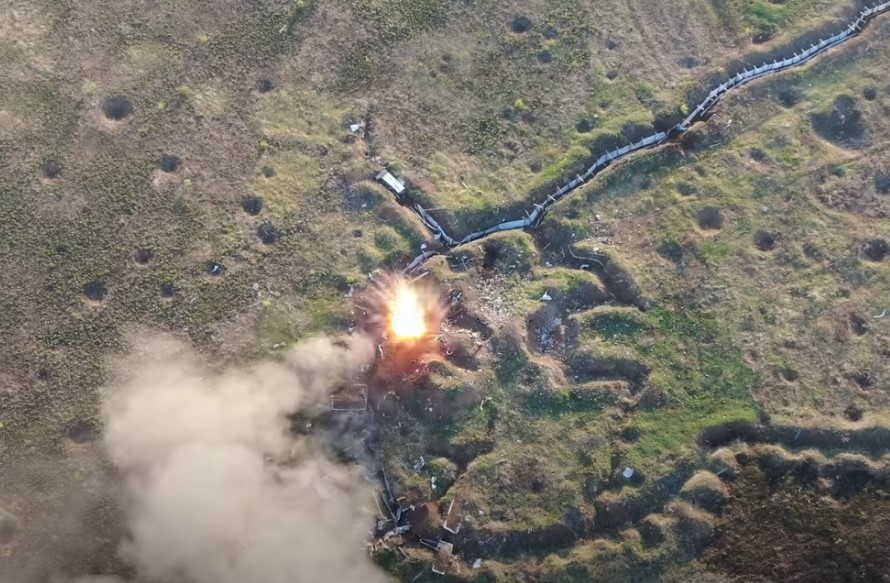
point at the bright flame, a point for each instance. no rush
(407, 318)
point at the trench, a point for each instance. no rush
(536, 214)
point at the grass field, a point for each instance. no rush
(188, 167)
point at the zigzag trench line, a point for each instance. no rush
(533, 219)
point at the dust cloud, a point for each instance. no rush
(199, 478)
(218, 489)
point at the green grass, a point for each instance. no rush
(765, 17)
(703, 375)
(617, 326)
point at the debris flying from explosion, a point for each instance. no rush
(402, 312)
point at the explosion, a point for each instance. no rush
(403, 312)
(406, 317)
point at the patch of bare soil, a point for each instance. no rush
(793, 534)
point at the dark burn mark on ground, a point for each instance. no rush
(864, 378)
(789, 96)
(117, 108)
(764, 240)
(267, 171)
(51, 169)
(858, 324)
(710, 218)
(686, 188)
(758, 155)
(584, 126)
(95, 290)
(265, 85)
(853, 413)
(252, 205)
(842, 124)
(81, 431)
(789, 374)
(268, 233)
(169, 163)
(672, 251)
(875, 249)
(144, 256)
(168, 290)
(520, 24)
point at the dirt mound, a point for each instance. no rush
(706, 491)
(694, 527)
(723, 464)
(652, 530)
(851, 475)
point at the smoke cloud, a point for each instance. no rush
(219, 490)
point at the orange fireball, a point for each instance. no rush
(406, 316)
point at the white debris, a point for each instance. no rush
(477, 563)
(628, 472)
(422, 246)
(546, 297)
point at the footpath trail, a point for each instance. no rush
(536, 214)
